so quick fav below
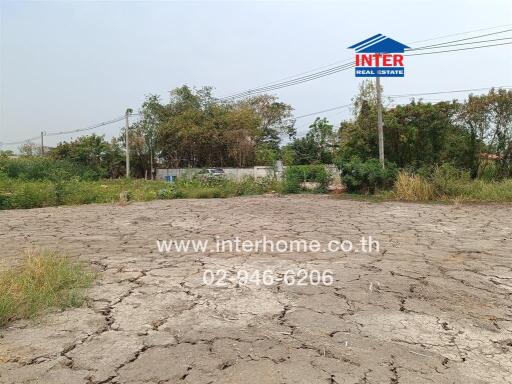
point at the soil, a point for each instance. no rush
(433, 305)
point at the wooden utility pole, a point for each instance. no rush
(128, 111)
(379, 122)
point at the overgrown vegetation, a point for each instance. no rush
(35, 194)
(471, 139)
(44, 168)
(367, 176)
(316, 147)
(219, 187)
(418, 134)
(296, 175)
(43, 280)
(448, 183)
(92, 152)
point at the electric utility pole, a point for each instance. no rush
(379, 122)
(42, 144)
(127, 114)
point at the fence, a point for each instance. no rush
(235, 173)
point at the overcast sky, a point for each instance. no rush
(68, 65)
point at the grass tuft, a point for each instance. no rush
(43, 280)
(413, 188)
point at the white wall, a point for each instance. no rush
(236, 173)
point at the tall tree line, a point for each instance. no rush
(466, 134)
(196, 130)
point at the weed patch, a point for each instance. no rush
(43, 280)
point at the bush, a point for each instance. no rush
(20, 194)
(43, 168)
(295, 175)
(367, 176)
(167, 193)
(256, 186)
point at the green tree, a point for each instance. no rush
(418, 134)
(359, 136)
(275, 119)
(195, 129)
(317, 146)
(94, 152)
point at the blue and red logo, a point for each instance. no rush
(379, 56)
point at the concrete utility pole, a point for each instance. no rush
(127, 125)
(42, 144)
(379, 122)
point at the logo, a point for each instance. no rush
(379, 56)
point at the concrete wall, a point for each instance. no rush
(236, 173)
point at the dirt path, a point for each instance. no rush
(433, 305)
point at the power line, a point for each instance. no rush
(456, 50)
(87, 128)
(467, 38)
(458, 44)
(446, 92)
(397, 104)
(460, 33)
(348, 60)
(336, 69)
(401, 96)
(294, 80)
(337, 63)
(292, 118)
(332, 71)
(21, 141)
(65, 132)
(323, 111)
(291, 82)
(405, 95)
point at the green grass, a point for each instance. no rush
(43, 280)
(458, 188)
(481, 190)
(15, 193)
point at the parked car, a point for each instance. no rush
(212, 172)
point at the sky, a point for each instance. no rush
(66, 65)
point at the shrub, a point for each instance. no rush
(43, 280)
(255, 186)
(43, 168)
(294, 175)
(20, 194)
(167, 193)
(367, 176)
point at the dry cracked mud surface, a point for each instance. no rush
(432, 306)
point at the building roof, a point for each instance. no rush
(379, 44)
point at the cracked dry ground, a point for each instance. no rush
(439, 310)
